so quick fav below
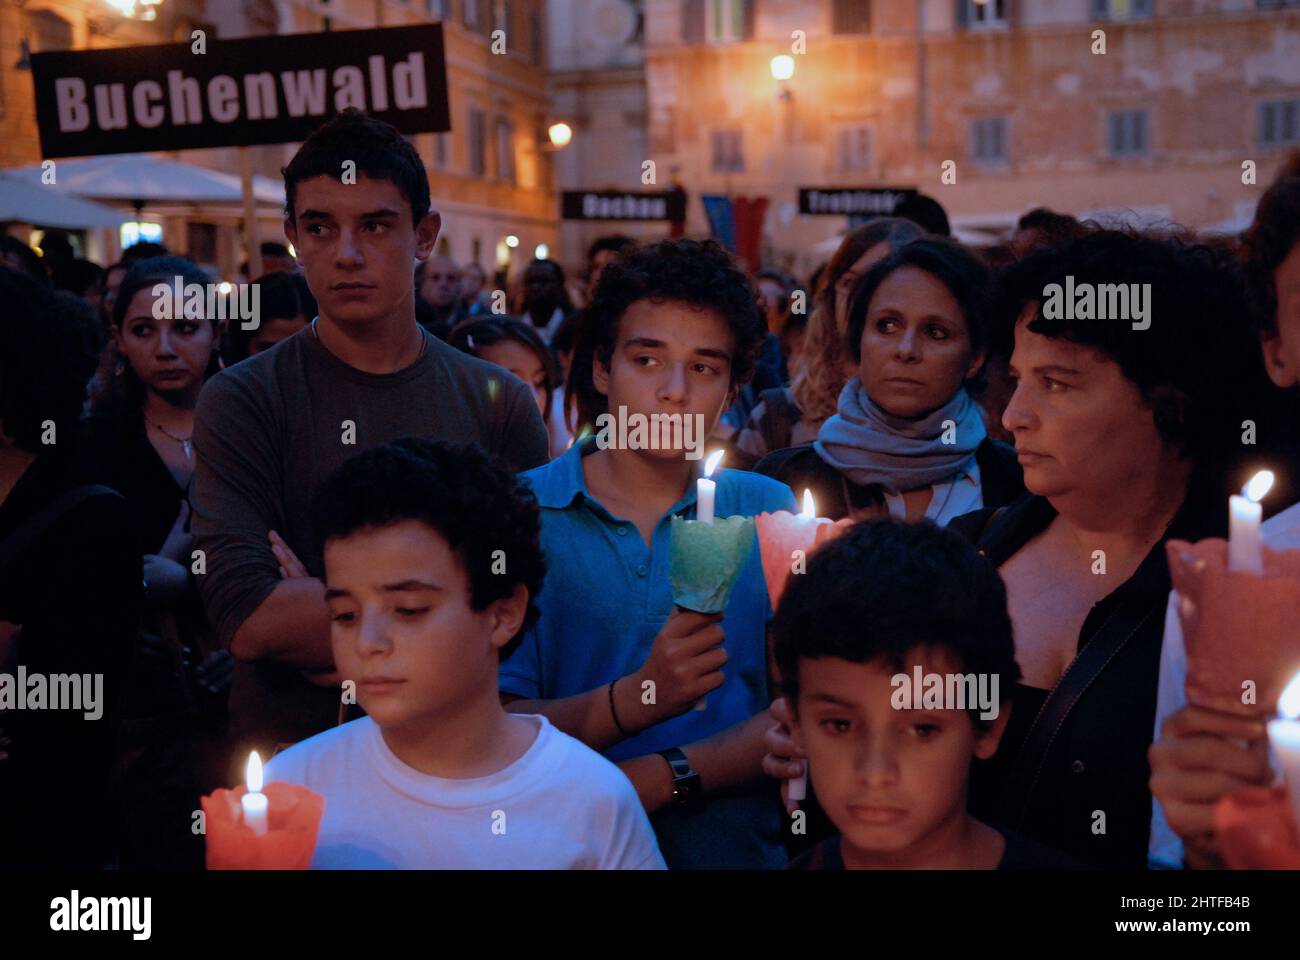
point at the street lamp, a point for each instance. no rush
(782, 66)
(560, 134)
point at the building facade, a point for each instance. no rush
(990, 107)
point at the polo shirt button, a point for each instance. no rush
(1077, 766)
(642, 570)
(622, 531)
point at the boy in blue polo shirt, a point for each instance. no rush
(673, 330)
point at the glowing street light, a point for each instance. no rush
(782, 67)
(560, 135)
(512, 241)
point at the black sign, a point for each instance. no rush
(614, 205)
(237, 92)
(850, 201)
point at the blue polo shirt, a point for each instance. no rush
(605, 598)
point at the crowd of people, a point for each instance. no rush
(378, 538)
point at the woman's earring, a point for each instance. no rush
(119, 369)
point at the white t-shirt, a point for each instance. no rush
(559, 806)
(1281, 532)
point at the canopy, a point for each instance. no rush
(45, 206)
(143, 178)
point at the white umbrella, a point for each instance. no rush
(44, 206)
(143, 178)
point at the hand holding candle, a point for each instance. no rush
(1284, 738)
(254, 829)
(784, 542)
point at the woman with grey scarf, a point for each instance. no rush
(908, 440)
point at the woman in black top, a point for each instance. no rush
(69, 591)
(908, 440)
(142, 415)
(1126, 441)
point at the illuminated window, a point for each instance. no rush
(139, 231)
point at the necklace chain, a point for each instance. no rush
(424, 341)
(183, 441)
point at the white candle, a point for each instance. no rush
(254, 802)
(1284, 738)
(1244, 516)
(705, 489)
(798, 788)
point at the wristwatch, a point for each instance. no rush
(687, 792)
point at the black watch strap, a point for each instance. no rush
(686, 782)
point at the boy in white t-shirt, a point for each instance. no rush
(432, 559)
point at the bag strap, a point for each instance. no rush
(1125, 620)
(35, 526)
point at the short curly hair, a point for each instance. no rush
(45, 361)
(699, 273)
(378, 150)
(885, 587)
(472, 501)
(1272, 236)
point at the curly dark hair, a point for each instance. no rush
(377, 148)
(699, 273)
(887, 586)
(472, 501)
(44, 360)
(963, 273)
(1196, 342)
(1271, 237)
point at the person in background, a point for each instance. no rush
(69, 592)
(792, 415)
(516, 346)
(276, 258)
(1041, 227)
(286, 306)
(474, 297)
(926, 212)
(141, 424)
(775, 289)
(17, 255)
(546, 304)
(437, 280)
(143, 251)
(602, 252)
(908, 439)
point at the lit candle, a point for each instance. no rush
(254, 801)
(1284, 738)
(706, 488)
(1244, 516)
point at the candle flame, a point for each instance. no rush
(1260, 484)
(809, 508)
(712, 462)
(1288, 705)
(254, 773)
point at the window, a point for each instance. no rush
(477, 143)
(505, 150)
(1276, 4)
(439, 9)
(1121, 9)
(1279, 123)
(988, 141)
(441, 148)
(1126, 133)
(729, 20)
(850, 16)
(981, 13)
(501, 16)
(728, 151)
(469, 14)
(853, 148)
